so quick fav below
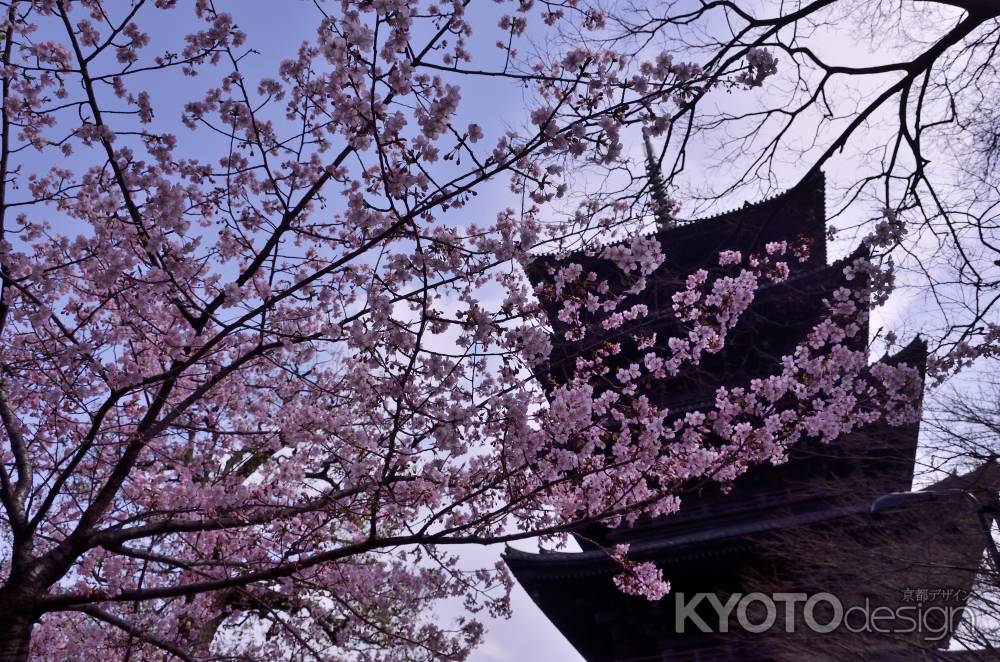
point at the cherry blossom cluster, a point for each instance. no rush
(966, 345)
(612, 433)
(760, 66)
(641, 579)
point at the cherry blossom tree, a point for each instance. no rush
(262, 373)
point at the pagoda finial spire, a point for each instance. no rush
(656, 188)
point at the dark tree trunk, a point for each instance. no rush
(15, 637)
(17, 617)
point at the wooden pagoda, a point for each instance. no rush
(800, 526)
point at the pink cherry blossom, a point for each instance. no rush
(265, 365)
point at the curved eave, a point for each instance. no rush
(914, 354)
(555, 566)
(532, 567)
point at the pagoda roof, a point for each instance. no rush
(530, 567)
(760, 223)
(554, 566)
(575, 589)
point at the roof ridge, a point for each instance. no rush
(810, 179)
(818, 177)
